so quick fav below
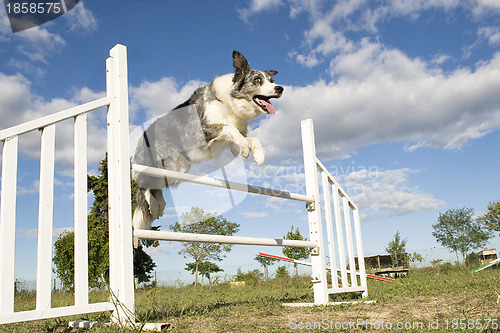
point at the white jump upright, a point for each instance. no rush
(329, 196)
(121, 267)
(325, 201)
(314, 214)
(121, 273)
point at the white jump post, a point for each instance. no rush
(314, 214)
(121, 268)
(329, 195)
(121, 272)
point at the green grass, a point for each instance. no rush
(426, 296)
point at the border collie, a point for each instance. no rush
(213, 118)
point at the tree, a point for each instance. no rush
(472, 260)
(64, 259)
(265, 262)
(296, 253)
(397, 249)
(282, 272)
(459, 232)
(143, 265)
(199, 222)
(415, 257)
(491, 219)
(204, 268)
(98, 241)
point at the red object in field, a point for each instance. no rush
(275, 257)
(380, 278)
(306, 263)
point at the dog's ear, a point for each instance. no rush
(241, 66)
(271, 73)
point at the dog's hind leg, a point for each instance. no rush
(149, 206)
(142, 218)
(156, 202)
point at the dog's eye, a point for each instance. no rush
(257, 80)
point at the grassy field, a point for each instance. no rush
(437, 300)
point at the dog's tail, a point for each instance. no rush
(149, 205)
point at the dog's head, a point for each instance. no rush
(255, 86)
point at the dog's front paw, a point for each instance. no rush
(241, 147)
(244, 150)
(259, 153)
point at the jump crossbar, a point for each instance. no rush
(205, 180)
(187, 237)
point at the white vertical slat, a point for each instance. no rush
(8, 224)
(359, 247)
(314, 214)
(80, 202)
(329, 229)
(45, 217)
(120, 215)
(340, 235)
(350, 248)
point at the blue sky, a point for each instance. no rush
(404, 96)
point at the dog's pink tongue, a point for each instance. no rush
(269, 107)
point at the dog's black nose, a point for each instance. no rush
(279, 89)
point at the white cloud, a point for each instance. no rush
(378, 192)
(275, 203)
(383, 193)
(485, 7)
(80, 19)
(330, 23)
(159, 97)
(26, 190)
(492, 34)
(258, 6)
(31, 46)
(27, 67)
(312, 7)
(331, 42)
(38, 43)
(15, 98)
(440, 59)
(5, 29)
(20, 104)
(163, 248)
(385, 96)
(254, 215)
(33, 233)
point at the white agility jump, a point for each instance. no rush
(120, 233)
(325, 200)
